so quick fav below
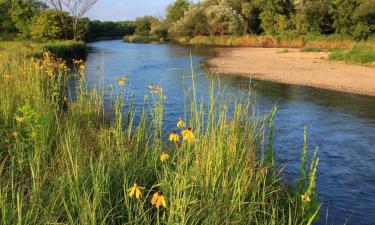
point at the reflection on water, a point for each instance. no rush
(342, 125)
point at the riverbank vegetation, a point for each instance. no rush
(66, 158)
(268, 23)
(52, 20)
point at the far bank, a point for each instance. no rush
(294, 67)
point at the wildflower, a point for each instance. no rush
(181, 123)
(82, 67)
(19, 119)
(15, 134)
(135, 191)
(173, 137)
(306, 198)
(121, 82)
(164, 157)
(188, 135)
(158, 200)
(151, 86)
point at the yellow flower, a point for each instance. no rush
(173, 137)
(82, 67)
(306, 197)
(181, 123)
(121, 82)
(19, 119)
(158, 200)
(151, 86)
(135, 191)
(164, 157)
(188, 135)
(15, 134)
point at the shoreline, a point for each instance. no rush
(311, 69)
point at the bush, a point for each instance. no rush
(140, 39)
(47, 26)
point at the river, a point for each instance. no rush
(342, 125)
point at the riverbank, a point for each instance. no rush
(62, 49)
(294, 67)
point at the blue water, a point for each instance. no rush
(342, 125)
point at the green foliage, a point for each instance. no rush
(47, 26)
(357, 54)
(311, 49)
(176, 10)
(140, 39)
(144, 24)
(98, 29)
(62, 162)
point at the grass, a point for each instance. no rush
(311, 49)
(62, 49)
(362, 54)
(63, 162)
(285, 50)
(141, 39)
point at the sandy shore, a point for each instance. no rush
(294, 67)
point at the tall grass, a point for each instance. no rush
(357, 54)
(62, 162)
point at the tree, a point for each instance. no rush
(6, 25)
(143, 25)
(47, 26)
(313, 16)
(222, 19)
(275, 16)
(76, 8)
(22, 12)
(176, 10)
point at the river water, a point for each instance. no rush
(342, 125)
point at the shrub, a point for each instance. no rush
(47, 26)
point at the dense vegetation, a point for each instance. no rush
(34, 20)
(278, 19)
(64, 162)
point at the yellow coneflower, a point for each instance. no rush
(174, 137)
(135, 191)
(158, 200)
(306, 197)
(122, 81)
(181, 123)
(164, 157)
(15, 134)
(188, 135)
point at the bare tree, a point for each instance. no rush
(58, 5)
(76, 8)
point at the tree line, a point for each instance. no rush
(55, 19)
(353, 19)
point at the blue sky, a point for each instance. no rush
(117, 10)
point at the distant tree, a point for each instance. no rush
(223, 19)
(76, 8)
(349, 21)
(47, 26)
(159, 30)
(22, 12)
(313, 16)
(176, 10)
(6, 25)
(144, 24)
(193, 23)
(275, 16)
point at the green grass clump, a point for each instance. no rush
(357, 54)
(63, 161)
(285, 50)
(141, 39)
(311, 49)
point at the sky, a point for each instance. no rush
(120, 10)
